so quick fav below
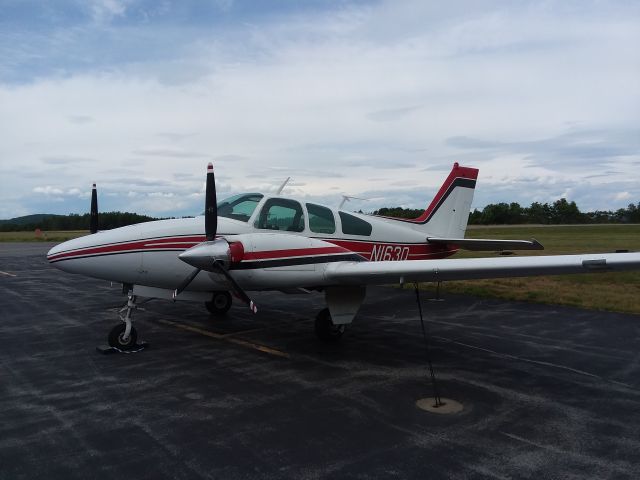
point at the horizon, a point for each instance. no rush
(373, 99)
(360, 210)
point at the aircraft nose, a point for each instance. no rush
(60, 252)
(51, 254)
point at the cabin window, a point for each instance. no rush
(239, 207)
(354, 226)
(321, 219)
(281, 214)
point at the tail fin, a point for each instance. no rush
(448, 213)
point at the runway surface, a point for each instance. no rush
(548, 392)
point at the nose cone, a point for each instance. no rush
(51, 254)
(59, 255)
(204, 254)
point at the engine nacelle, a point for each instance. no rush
(284, 260)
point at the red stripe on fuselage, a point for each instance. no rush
(378, 251)
(177, 243)
(373, 251)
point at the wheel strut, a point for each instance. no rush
(126, 318)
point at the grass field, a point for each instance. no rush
(618, 292)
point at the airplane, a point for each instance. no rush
(256, 241)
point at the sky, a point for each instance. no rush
(374, 99)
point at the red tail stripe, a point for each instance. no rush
(456, 172)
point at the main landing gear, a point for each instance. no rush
(343, 304)
(220, 303)
(123, 336)
(326, 330)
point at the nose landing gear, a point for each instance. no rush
(120, 339)
(123, 337)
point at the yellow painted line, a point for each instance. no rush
(8, 274)
(244, 332)
(218, 336)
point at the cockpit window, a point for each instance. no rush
(321, 219)
(354, 226)
(239, 207)
(281, 214)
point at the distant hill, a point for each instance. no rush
(43, 221)
(30, 219)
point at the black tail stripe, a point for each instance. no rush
(458, 182)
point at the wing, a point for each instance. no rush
(483, 244)
(388, 272)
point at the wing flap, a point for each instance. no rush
(487, 244)
(388, 272)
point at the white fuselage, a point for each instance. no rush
(147, 253)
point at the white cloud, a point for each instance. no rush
(359, 99)
(48, 190)
(623, 196)
(106, 10)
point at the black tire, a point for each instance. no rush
(116, 340)
(220, 303)
(325, 328)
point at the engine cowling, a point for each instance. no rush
(203, 255)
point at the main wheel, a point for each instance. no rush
(220, 303)
(116, 339)
(326, 330)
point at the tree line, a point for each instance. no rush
(74, 221)
(557, 213)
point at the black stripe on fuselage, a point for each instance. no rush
(289, 262)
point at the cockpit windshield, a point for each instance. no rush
(239, 207)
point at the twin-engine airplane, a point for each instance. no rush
(255, 242)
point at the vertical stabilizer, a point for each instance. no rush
(448, 213)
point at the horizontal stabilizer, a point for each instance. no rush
(487, 244)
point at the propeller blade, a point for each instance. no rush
(185, 283)
(203, 255)
(237, 288)
(93, 226)
(210, 206)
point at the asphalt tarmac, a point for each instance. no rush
(548, 392)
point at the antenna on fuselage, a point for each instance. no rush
(283, 185)
(346, 198)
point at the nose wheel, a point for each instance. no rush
(120, 340)
(123, 337)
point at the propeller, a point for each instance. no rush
(93, 226)
(210, 206)
(211, 255)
